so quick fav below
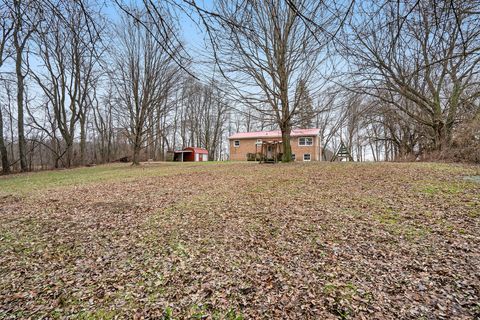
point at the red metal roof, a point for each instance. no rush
(275, 134)
(197, 150)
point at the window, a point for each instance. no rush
(259, 142)
(306, 157)
(236, 143)
(293, 156)
(305, 141)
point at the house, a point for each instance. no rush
(190, 154)
(305, 144)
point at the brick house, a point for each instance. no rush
(305, 143)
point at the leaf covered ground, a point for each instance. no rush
(242, 241)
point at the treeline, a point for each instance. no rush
(415, 79)
(390, 80)
(79, 89)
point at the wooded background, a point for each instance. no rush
(91, 82)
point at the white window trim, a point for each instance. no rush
(305, 145)
(259, 142)
(309, 155)
(236, 143)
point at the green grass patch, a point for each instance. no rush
(40, 181)
(442, 187)
(388, 218)
(93, 315)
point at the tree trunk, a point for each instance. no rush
(69, 152)
(438, 135)
(69, 156)
(136, 155)
(287, 148)
(3, 149)
(83, 139)
(54, 153)
(19, 46)
(20, 125)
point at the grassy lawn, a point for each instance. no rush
(242, 241)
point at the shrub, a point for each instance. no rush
(466, 143)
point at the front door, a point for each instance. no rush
(269, 152)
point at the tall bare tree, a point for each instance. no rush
(3, 148)
(6, 27)
(141, 75)
(425, 52)
(268, 50)
(25, 17)
(69, 54)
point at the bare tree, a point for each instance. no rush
(3, 148)
(425, 52)
(140, 76)
(103, 121)
(24, 14)
(411, 78)
(267, 50)
(68, 52)
(6, 27)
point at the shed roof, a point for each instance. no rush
(275, 134)
(197, 150)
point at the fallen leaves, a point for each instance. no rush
(240, 240)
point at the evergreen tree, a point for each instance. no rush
(305, 112)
